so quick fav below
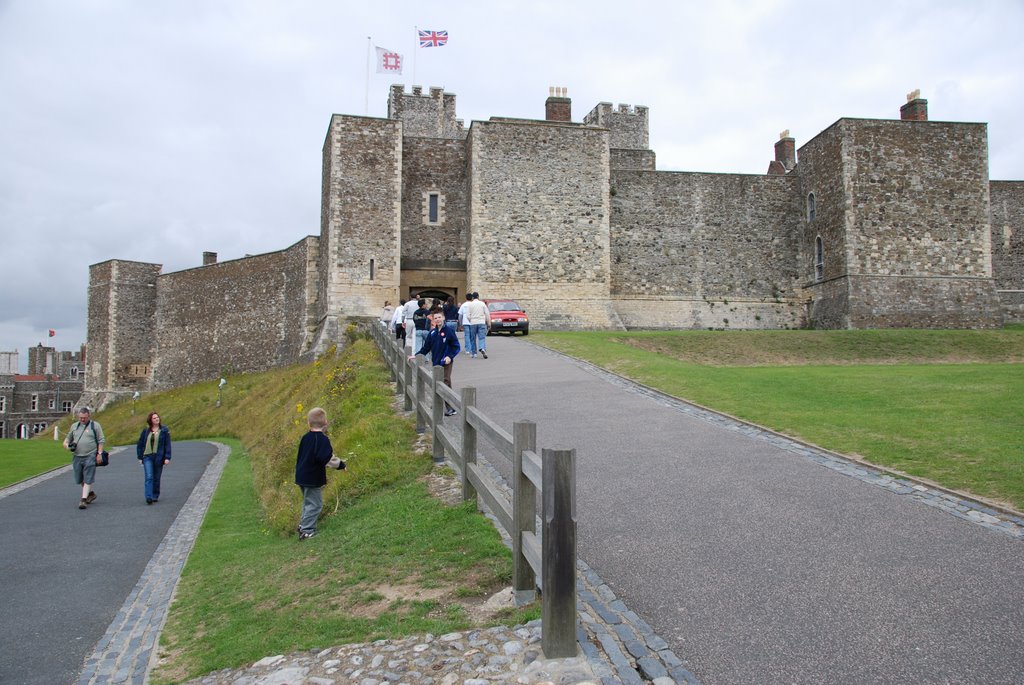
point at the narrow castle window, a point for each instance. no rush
(433, 208)
(3, 403)
(371, 269)
(51, 403)
(819, 259)
(812, 207)
(34, 404)
(74, 372)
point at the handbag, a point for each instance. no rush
(104, 455)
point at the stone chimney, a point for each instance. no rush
(209, 258)
(785, 154)
(558, 106)
(916, 108)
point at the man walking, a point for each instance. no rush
(85, 442)
(441, 345)
(478, 320)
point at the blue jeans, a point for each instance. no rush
(312, 504)
(476, 337)
(153, 468)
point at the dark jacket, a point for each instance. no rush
(163, 443)
(315, 451)
(440, 343)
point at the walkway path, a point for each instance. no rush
(756, 558)
(65, 573)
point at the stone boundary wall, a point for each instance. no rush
(248, 314)
(699, 235)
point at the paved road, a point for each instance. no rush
(64, 573)
(754, 563)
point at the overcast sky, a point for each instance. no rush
(155, 130)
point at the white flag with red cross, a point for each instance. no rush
(389, 61)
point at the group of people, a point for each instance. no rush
(412, 320)
(432, 331)
(85, 441)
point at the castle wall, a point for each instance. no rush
(539, 215)
(696, 250)
(434, 165)
(1007, 222)
(122, 307)
(909, 200)
(360, 240)
(243, 315)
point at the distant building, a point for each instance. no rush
(31, 403)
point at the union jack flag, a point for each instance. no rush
(433, 39)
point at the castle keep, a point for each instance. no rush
(870, 224)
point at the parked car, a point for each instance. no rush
(508, 317)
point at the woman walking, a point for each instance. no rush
(154, 452)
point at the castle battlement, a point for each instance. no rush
(627, 124)
(425, 116)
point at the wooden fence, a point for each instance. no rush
(544, 559)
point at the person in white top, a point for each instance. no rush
(409, 312)
(387, 313)
(398, 321)
(477, 321)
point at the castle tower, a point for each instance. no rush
(628, 134)
(539, 219)
(892, 236)
(122, 309)
(425, 116)
(360, 221)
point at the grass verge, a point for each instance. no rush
(398, 563)
(894, 398)
(21, 459)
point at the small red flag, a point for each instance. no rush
(52, 332)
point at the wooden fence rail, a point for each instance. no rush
(543, 559)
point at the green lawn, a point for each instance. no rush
(21, 459)
(893, 397)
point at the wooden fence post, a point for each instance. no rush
(421, 394)
(390, 355)
(524, 511)
(409, 368)
(437, 412)
(558, 610)
(468, 444)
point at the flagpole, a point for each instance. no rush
(366, 96)
(415, 34)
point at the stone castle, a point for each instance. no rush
(871, 224)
